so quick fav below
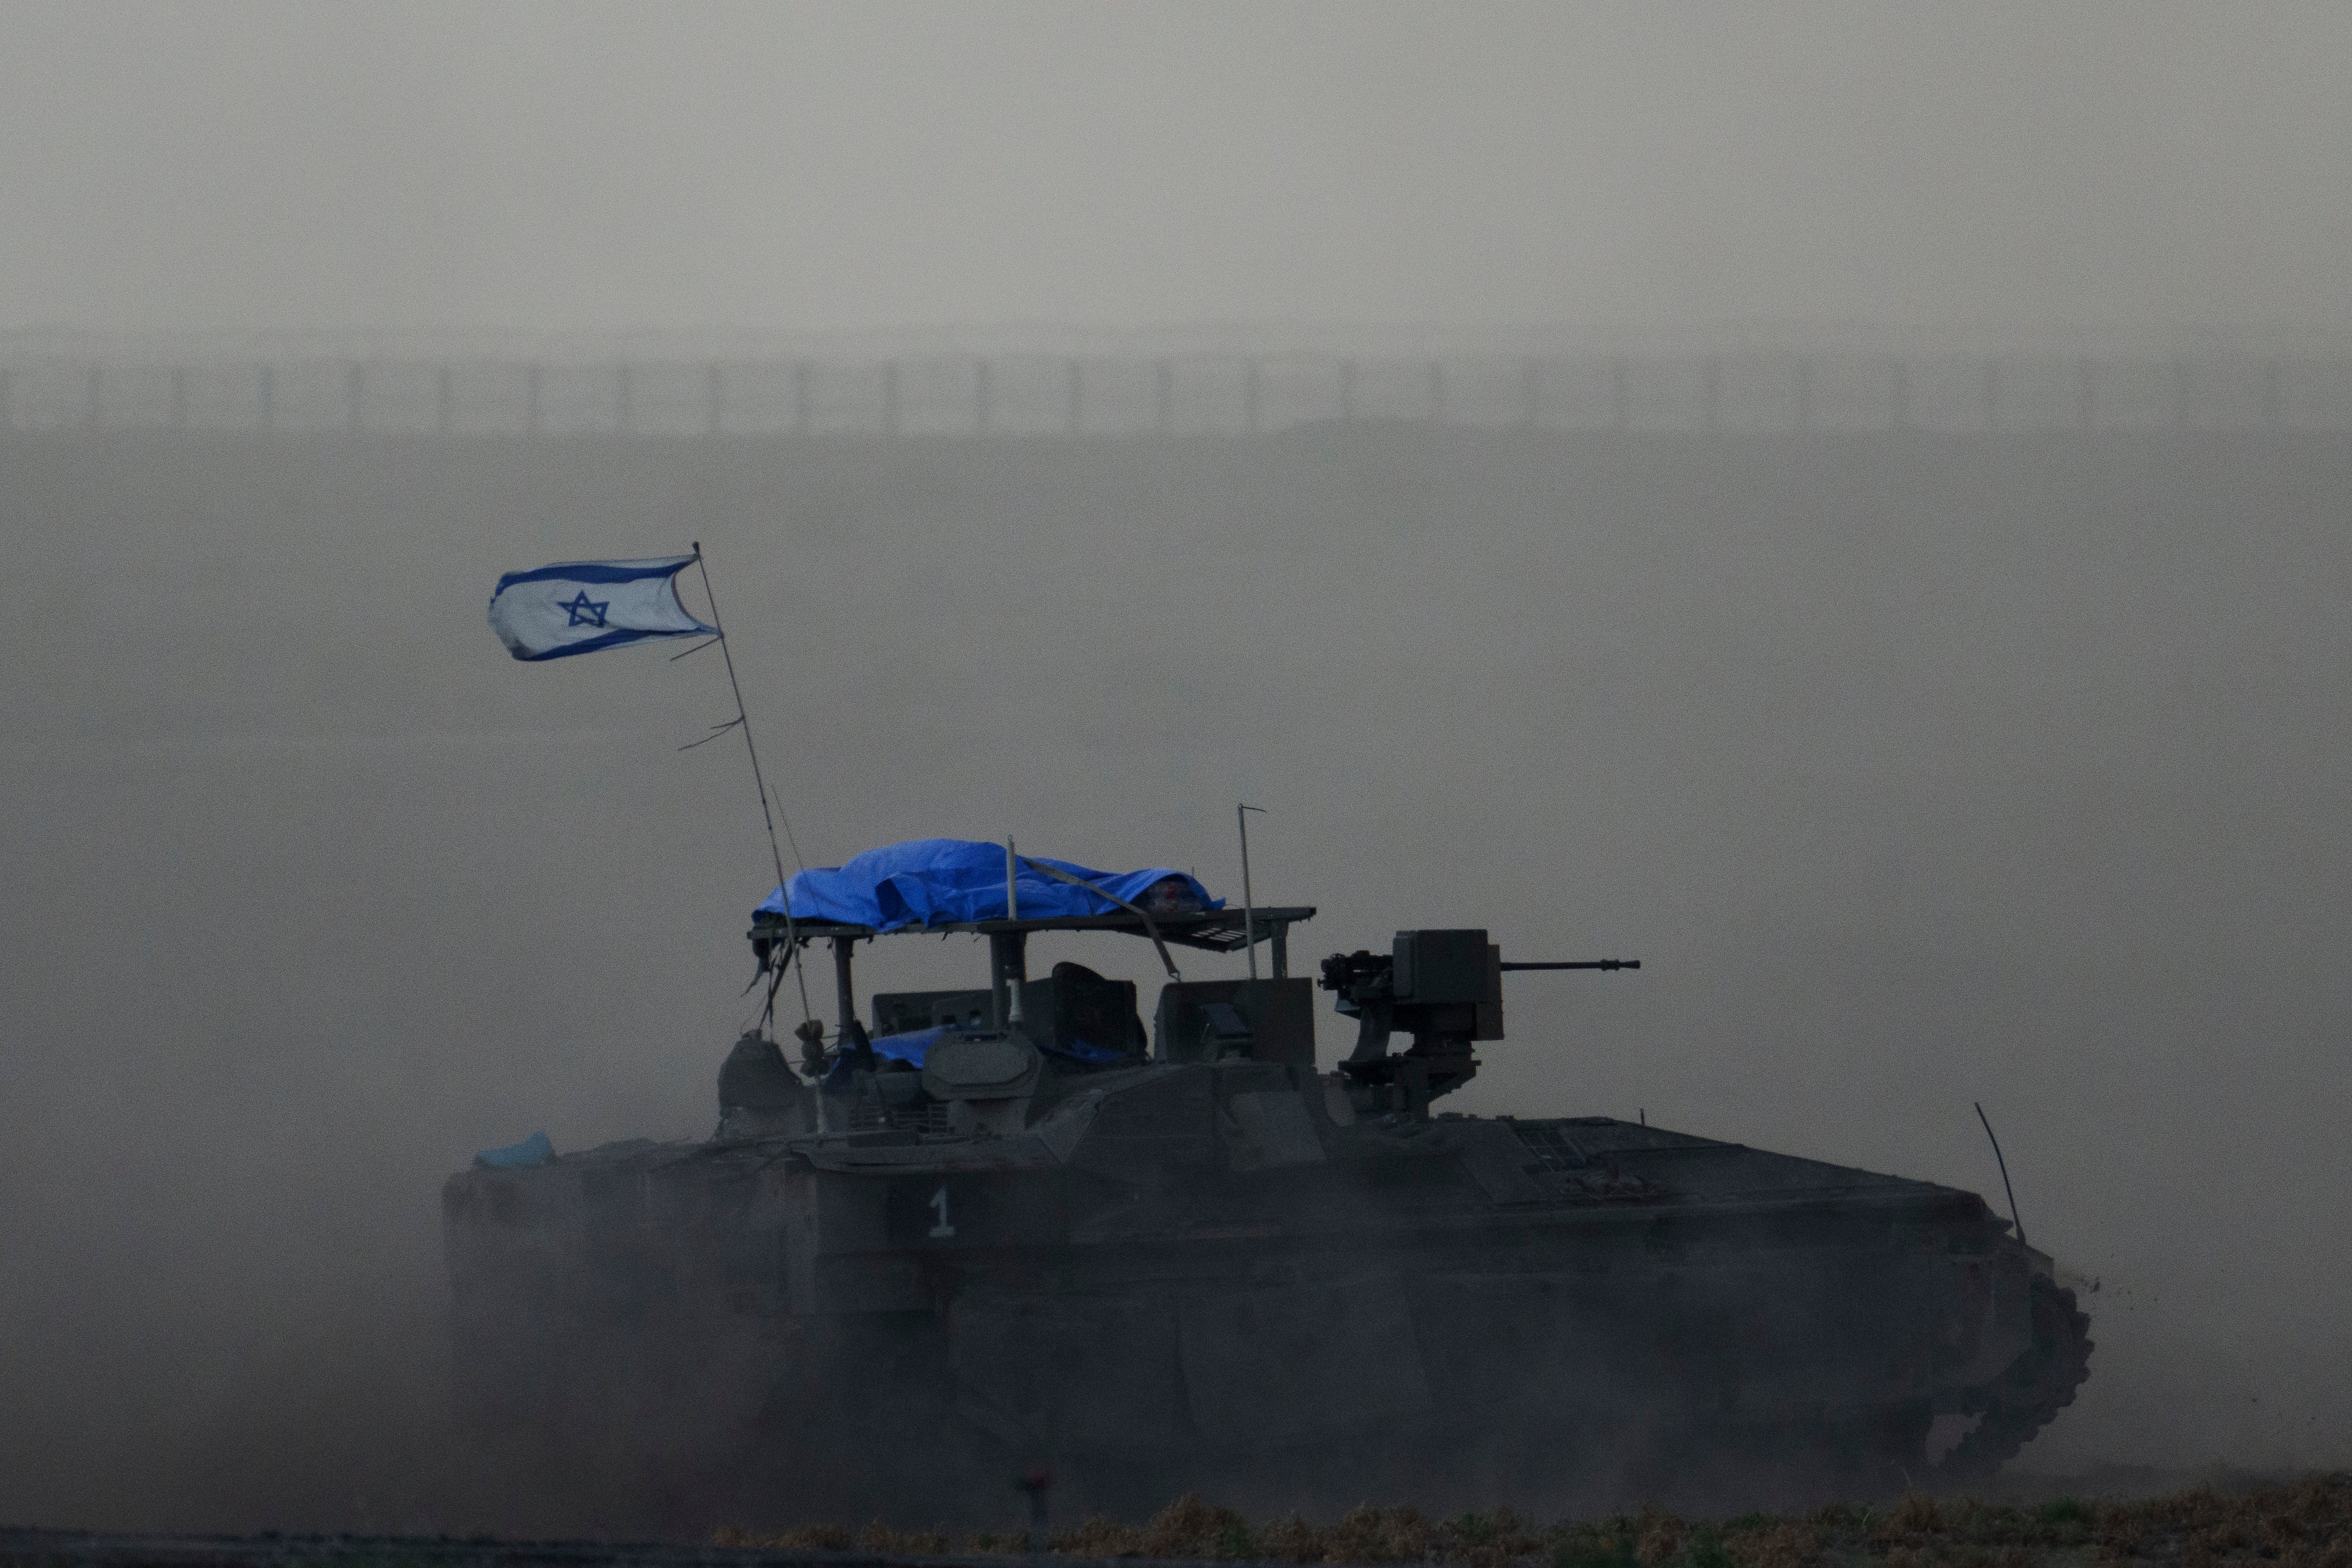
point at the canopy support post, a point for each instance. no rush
(844, 989)
(1008, 966)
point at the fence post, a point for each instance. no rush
(981, 387)
(93, 394)
(354, 390)
(803, 408)
(532, 413)
(1163, 395)
(179, 397)
(890, 398)
(1620, 395)
(1249, 395)
(1077, 394)
(1804, 392)
(444, 400)
(268, 397)
(715, 392)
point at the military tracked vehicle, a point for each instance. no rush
(1014, 1225)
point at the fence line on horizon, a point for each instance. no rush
(1033, 395)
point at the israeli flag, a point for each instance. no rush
(580, 606)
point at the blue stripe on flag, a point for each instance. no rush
(609, 640)
(595, 571)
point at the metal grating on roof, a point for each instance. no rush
(1550, 1145)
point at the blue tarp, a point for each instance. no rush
(910, 1047)
(938, 881)
(915, 1045)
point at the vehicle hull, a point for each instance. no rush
(1207, 1277)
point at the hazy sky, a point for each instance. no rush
(225, 166)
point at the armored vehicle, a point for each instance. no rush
(984, 1230)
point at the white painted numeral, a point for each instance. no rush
(940, 1202)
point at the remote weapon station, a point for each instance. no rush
(984, 1230)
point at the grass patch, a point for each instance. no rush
(2306, 1525)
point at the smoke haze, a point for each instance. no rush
(1917, 769)
(241, 165)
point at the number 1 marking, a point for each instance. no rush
(940, 1202)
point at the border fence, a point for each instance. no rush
(1031, 394)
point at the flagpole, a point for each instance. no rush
(743, 719)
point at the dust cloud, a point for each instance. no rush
(1916, 770)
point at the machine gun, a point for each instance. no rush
(1445, 988)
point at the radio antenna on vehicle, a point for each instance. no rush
(742, 721)
(2003, 1164)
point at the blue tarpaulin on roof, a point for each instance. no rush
(910, 1047)
(914, 1047)
(938, 881)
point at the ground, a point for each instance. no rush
(2306, 1524)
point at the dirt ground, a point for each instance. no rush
(2303, 1525)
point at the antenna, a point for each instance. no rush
(2003, 1164)
(743, 723)
(1249, 906)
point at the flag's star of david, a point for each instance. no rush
(584, 610)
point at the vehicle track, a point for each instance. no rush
(2029, 1396)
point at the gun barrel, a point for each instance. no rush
(1581, 964)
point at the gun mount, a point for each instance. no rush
(1442, 986)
